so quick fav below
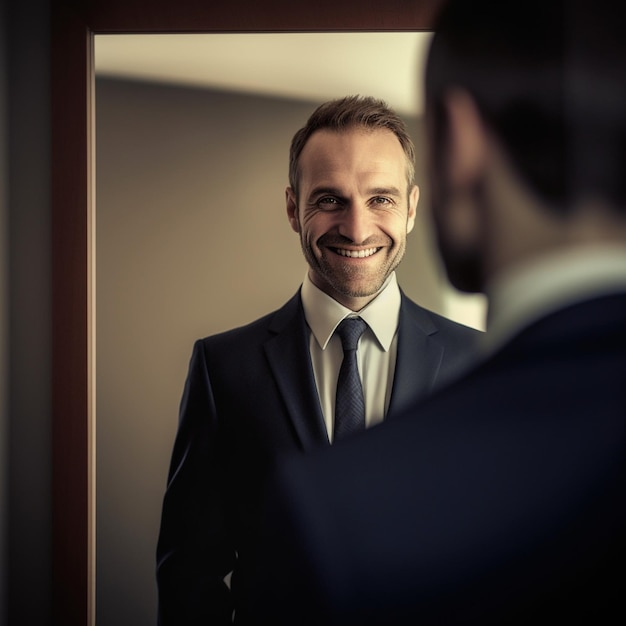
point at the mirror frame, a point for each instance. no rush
(74, 24)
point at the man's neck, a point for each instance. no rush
(530, 290)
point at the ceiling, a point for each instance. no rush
(306, 66)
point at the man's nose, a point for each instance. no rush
(356, 223)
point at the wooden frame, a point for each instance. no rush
(74, 23)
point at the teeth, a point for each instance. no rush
(356, 254)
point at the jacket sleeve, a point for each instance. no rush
(195, 547)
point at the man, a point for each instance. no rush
(268, 388)
(500, 500)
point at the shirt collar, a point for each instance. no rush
(530, 291)
(323, 313)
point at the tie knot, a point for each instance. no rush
(349, 331)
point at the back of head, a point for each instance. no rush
(549, 80)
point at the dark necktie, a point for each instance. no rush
(349, 402)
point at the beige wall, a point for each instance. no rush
(192, 238)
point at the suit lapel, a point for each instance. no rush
(418, 359)
(290, 362)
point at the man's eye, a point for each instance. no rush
(381, 200)
(328, 202)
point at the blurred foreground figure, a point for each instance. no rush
(501, 499)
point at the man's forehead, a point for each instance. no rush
(331, 135)
(333, 147)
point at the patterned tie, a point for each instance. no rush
(349, 402)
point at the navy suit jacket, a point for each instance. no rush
(499, 500)
(250, 396)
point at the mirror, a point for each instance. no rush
(192, 138)
(74, 24)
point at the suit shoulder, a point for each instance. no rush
(454, 327)
(439, 322)
(255, 329)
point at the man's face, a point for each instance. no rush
(353, 211)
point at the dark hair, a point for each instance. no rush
(549, 80)
(349, 112)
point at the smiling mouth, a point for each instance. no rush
(356, 254)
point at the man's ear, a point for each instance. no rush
(467, 140)
(414, 195)
(292, 209)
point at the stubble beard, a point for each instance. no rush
(345, 278)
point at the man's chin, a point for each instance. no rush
(464, 273)
(465, 281)
(359, 289)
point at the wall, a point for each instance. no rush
(25, 306)
(192, 238)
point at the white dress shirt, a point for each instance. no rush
(532, 290)
(376, 352)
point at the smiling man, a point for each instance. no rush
(271, 387)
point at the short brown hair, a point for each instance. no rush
(349, 112)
